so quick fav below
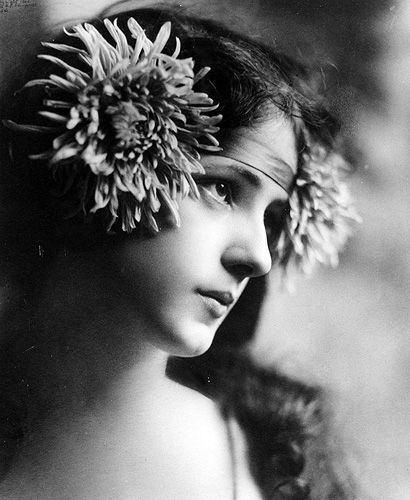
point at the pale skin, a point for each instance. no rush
(116, 426)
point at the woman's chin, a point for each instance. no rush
(189, 340)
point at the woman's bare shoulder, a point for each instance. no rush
(181, 450)
(222, 446)
(199, 445)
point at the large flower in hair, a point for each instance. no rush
(321, 212)
(127, 129)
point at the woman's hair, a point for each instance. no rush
(294, 450)
(248, 80)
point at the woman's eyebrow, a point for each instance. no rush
(252, 178)
(247, 174)
(283, 175)
(243, 171)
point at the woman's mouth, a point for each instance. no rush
(217, 303)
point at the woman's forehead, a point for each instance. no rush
(269, 147)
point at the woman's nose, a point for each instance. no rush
(248, 254)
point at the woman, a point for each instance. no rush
(155, 198)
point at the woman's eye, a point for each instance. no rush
(219, 191)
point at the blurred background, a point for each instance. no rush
(347, 328)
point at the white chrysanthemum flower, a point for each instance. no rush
(132, 120)
(321, 213)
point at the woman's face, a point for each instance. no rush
(184, 281)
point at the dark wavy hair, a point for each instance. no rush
(284, 420)
(247, 80)
(294, 448)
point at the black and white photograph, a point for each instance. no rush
(204, 250)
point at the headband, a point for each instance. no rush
(127, 127)
(238, 146)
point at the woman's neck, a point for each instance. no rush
(87, 342)
(110, 423)
(139, 435)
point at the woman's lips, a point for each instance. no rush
(217, 303)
